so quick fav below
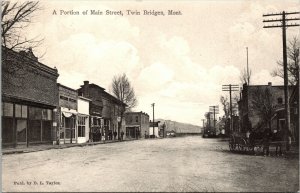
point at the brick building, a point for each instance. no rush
(137, 124)
(29, 98)
(250, 119)
(104, 110)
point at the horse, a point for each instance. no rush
(278, 140)
(261, 137)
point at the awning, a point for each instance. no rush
(67, 114)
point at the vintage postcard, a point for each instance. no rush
(150, 96)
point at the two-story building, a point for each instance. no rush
(136, 124)
(105, 111)
(29, 99)
(250, 118)
(67, 111)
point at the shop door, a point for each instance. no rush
(70, 130)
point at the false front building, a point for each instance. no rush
(73, 116)
(29, 99)
(137, 124)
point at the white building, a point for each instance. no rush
(83, 128)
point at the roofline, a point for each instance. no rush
(43, 67)
(84, 98)
(137, 113)
(270, 85)
(116, 99)
(59, 84)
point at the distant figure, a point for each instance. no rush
(110, 134)
(115, 135)
(122, 134)
(267, 134)
(103, 137)
(91, 136)
(145, 134)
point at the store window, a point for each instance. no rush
(46, 114)
(8, 109)
(46, 133)
(40, 124)
(7, 122)
(21, 130)
(7, 129)
(35, 113)
(81, 126)
(136, 119)
(34, 132)
(20, 111)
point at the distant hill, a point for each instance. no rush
(180, 127)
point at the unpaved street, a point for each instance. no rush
(174, 164)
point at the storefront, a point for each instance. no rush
(29, 98)
(68, 114)
(96, 131)
(83, 128)
(133, 132)
(25, 124)
(68, 126)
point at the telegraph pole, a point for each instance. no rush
(202, 125)
(248, 76)
(153, 119)
(283, 25)
(215, 110)
(230, 88)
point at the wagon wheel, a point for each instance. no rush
(232, 144)
(250, 148)
(258, 149)
(242, 145)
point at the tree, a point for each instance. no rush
(262, 104)
(246, 77)
(293, 62)
(122, 89)
(15, 18)
(225, 104)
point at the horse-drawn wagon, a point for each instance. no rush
(257, 142)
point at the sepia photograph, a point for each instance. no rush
(150, 96)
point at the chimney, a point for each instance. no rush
(86, 88)
(269, 83)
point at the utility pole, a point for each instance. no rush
(215, 110)
(248, 75)
(230, 88)
(203, 124)
(153, 104)
(283, 25)
(207, 115)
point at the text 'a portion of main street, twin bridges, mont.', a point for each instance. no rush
(120, 13)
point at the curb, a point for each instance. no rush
(59, 147)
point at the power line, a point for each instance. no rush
(230, 88)
(214, 109)
(284, 24)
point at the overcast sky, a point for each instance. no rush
(177, 62)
